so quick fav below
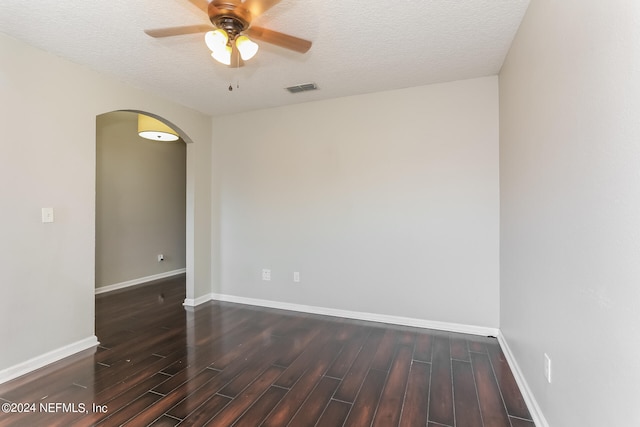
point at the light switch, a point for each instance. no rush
(47, 214)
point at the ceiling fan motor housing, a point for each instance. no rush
(229, 17)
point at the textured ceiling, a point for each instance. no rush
(358, 47)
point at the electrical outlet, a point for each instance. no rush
(266, 274)
(547, 368)
(160, 257)
(296, 276)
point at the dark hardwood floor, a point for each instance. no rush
(226, 364)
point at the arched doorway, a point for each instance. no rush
(141, 204)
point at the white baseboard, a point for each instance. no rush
(372, 317)
(530, 400)
(193, 302)
(139, 281)
(47, 358)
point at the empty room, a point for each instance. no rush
(415, 214)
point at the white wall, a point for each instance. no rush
(385, 203)
(570, 208)
(140, 202)
(48, 117)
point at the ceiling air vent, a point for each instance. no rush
(302, 88)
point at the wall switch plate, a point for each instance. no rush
(160, 257)
(296, 276)
(547, 368)
(47, 214)
(266, 274)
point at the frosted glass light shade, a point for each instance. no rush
(246, 47)
(222, 55)
(216, 40)
(155, 130)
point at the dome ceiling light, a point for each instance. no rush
(155, 130)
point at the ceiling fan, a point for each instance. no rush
(230, 39)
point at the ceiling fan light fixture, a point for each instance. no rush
(216, 40)
(222, 55)
(155, 130)
(246, 47)
(231, 20)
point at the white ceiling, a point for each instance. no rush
(358, 46)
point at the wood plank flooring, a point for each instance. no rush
(226, 364)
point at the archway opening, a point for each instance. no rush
(141, 204)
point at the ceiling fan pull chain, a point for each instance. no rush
(231, 85)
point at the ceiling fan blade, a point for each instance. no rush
(258, 7)
(279, 39)
(200, 4)
(178, 31)
(236, 60)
